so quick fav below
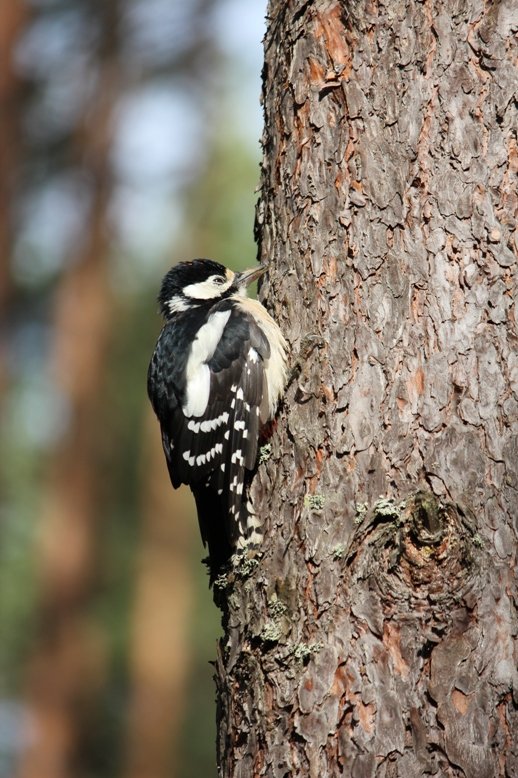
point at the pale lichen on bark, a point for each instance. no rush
(388, 212)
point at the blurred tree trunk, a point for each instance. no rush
(159, 642)
(13, 17)
(68, 663)
(377, 634)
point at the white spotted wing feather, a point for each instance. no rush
(211, 437)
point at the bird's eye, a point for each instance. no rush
(219, 280)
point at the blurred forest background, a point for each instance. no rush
(128, 141)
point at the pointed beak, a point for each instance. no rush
(246, 277)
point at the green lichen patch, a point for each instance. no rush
(265, 453)
(304, 651)
(315, 502)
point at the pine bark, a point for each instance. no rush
(376, 634)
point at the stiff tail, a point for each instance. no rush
(212, 520)
(250, 527)
(222, 534)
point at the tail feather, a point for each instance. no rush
(212, 518)
(218, 530)
(251, 533)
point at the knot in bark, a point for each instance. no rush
(419, 553)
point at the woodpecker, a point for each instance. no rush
(214, 381)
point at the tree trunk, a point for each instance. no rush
(376, 635)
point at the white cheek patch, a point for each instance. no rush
(206, 290)
(197, 371)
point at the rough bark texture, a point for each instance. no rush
(376, 636)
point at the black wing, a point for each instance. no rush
(214, 449)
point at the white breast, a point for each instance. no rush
(275, 366)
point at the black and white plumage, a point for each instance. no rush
(215, 379)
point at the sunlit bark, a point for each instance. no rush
(377, 634)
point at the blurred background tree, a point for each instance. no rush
(128, 140)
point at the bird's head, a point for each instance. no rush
(201, 281)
